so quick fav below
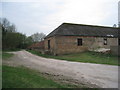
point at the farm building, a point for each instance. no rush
(74, 38)
(39, 46)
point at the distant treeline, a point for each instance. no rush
(11, 39)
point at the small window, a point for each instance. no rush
(79, 42)
(105, 41)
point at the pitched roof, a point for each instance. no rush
(69, 29)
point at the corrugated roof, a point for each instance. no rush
(69, 29)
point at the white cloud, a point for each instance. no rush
(85, 11)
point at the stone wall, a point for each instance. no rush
(68, 44)
(52, 49)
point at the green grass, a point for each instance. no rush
(21, 77)
(12, 50)
(6, 55)
(86, 57)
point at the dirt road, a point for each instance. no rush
(92, 75)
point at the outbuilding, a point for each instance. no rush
(74, 38)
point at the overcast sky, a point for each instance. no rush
(31, 16)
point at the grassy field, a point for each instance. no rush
(87, 57)
(6, 55)
(20, 77)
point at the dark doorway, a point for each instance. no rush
(79, 42)
(119, 41)
(48, 44)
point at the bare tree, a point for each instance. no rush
(7, 26)
(114, 25)
(12, 28)
(37, 37)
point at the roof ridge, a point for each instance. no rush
(90, 25)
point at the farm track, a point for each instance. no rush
(76, 73)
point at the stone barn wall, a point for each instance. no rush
(69, 44)
(52, 49)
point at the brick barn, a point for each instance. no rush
(74, 38)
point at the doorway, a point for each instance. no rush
(48, 44)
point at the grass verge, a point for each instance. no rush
(12, 50)
(86, 57)
(6, 55)
(20, 77)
